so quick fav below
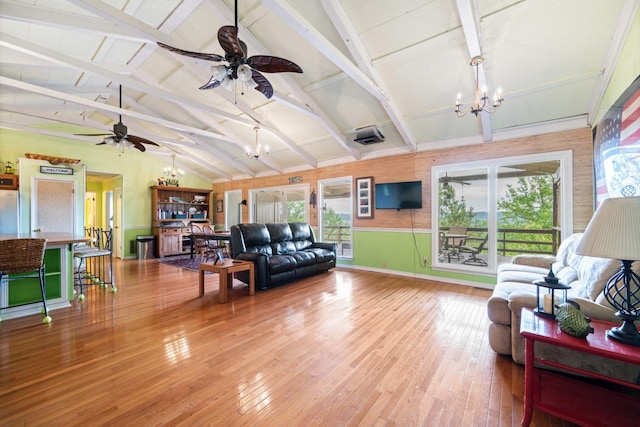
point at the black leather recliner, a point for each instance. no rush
(281, 252)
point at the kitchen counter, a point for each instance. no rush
(58, 259)
(52, 238)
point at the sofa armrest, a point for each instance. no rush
(333, 247)
(260, 263)
(534, 260)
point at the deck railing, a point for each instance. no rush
(510, 241)
(340, 234)
(515, 241)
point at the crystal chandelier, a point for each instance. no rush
(259, 148)
(171, 173)
(481, 98)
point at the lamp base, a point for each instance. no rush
(627, 333)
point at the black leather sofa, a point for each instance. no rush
(281, 252)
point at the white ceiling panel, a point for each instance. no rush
(395, 64)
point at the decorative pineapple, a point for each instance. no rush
(572, 321)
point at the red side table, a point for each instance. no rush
(580, 400)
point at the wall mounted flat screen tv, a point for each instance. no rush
(399, 195)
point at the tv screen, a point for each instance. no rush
(399, 195)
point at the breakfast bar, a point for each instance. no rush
(23, 300)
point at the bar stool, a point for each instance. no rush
(24, 259)
(91, 267)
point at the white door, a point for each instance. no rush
(52, 206)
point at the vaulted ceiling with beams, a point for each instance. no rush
(395, 64)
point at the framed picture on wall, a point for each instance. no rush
(616, 148)
(364, 197)
(219, 205)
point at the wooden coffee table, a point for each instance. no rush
(225, 271)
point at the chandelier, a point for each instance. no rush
(481, 98)
(171, 173)
(259, 148)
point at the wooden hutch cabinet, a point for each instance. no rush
(173, 209)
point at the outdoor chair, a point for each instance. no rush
(474, 252)
(24, 259)
(456, 237)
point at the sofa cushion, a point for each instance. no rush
(304, 258)
(281, 248)
(567, 249)
(595, 272)
(255, 234)
(281, 263)
(322, 255)
(279, 232)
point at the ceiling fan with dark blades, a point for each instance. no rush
(446, 179)
(120, 136)
(247, 70)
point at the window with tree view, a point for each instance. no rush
(489, 213)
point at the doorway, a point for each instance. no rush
(53, 207)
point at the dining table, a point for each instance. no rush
(216, 236)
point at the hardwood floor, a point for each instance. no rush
(343, 348)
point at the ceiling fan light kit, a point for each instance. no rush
(480, 98)
(247, 70)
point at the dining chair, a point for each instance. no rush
(215, 244)
(22, 259)
(200, 243)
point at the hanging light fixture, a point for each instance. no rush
(481, 98)
(258, 148)
(171, 173)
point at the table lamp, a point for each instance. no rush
(614, 232)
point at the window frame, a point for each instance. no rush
(492, 165)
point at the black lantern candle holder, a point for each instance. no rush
(553, 293)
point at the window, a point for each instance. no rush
(335, 214)
(283, 204)
(487, 212)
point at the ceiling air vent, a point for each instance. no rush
(368, 135)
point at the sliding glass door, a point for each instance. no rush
(281, 204)
(486, 212)
(336, 213)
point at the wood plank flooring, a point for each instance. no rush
(344, 348)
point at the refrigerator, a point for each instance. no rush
(9, 212)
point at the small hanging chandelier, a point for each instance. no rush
(481, 98)
(259, 149)
(171, 173)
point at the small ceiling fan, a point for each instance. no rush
(120, 137)
(446, 179)
(240, 67)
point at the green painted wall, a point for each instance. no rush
(378, 249)
(138, 172)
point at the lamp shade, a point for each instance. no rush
(614, 230)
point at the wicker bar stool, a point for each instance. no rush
(24, 259)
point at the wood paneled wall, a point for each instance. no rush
(417, 166)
